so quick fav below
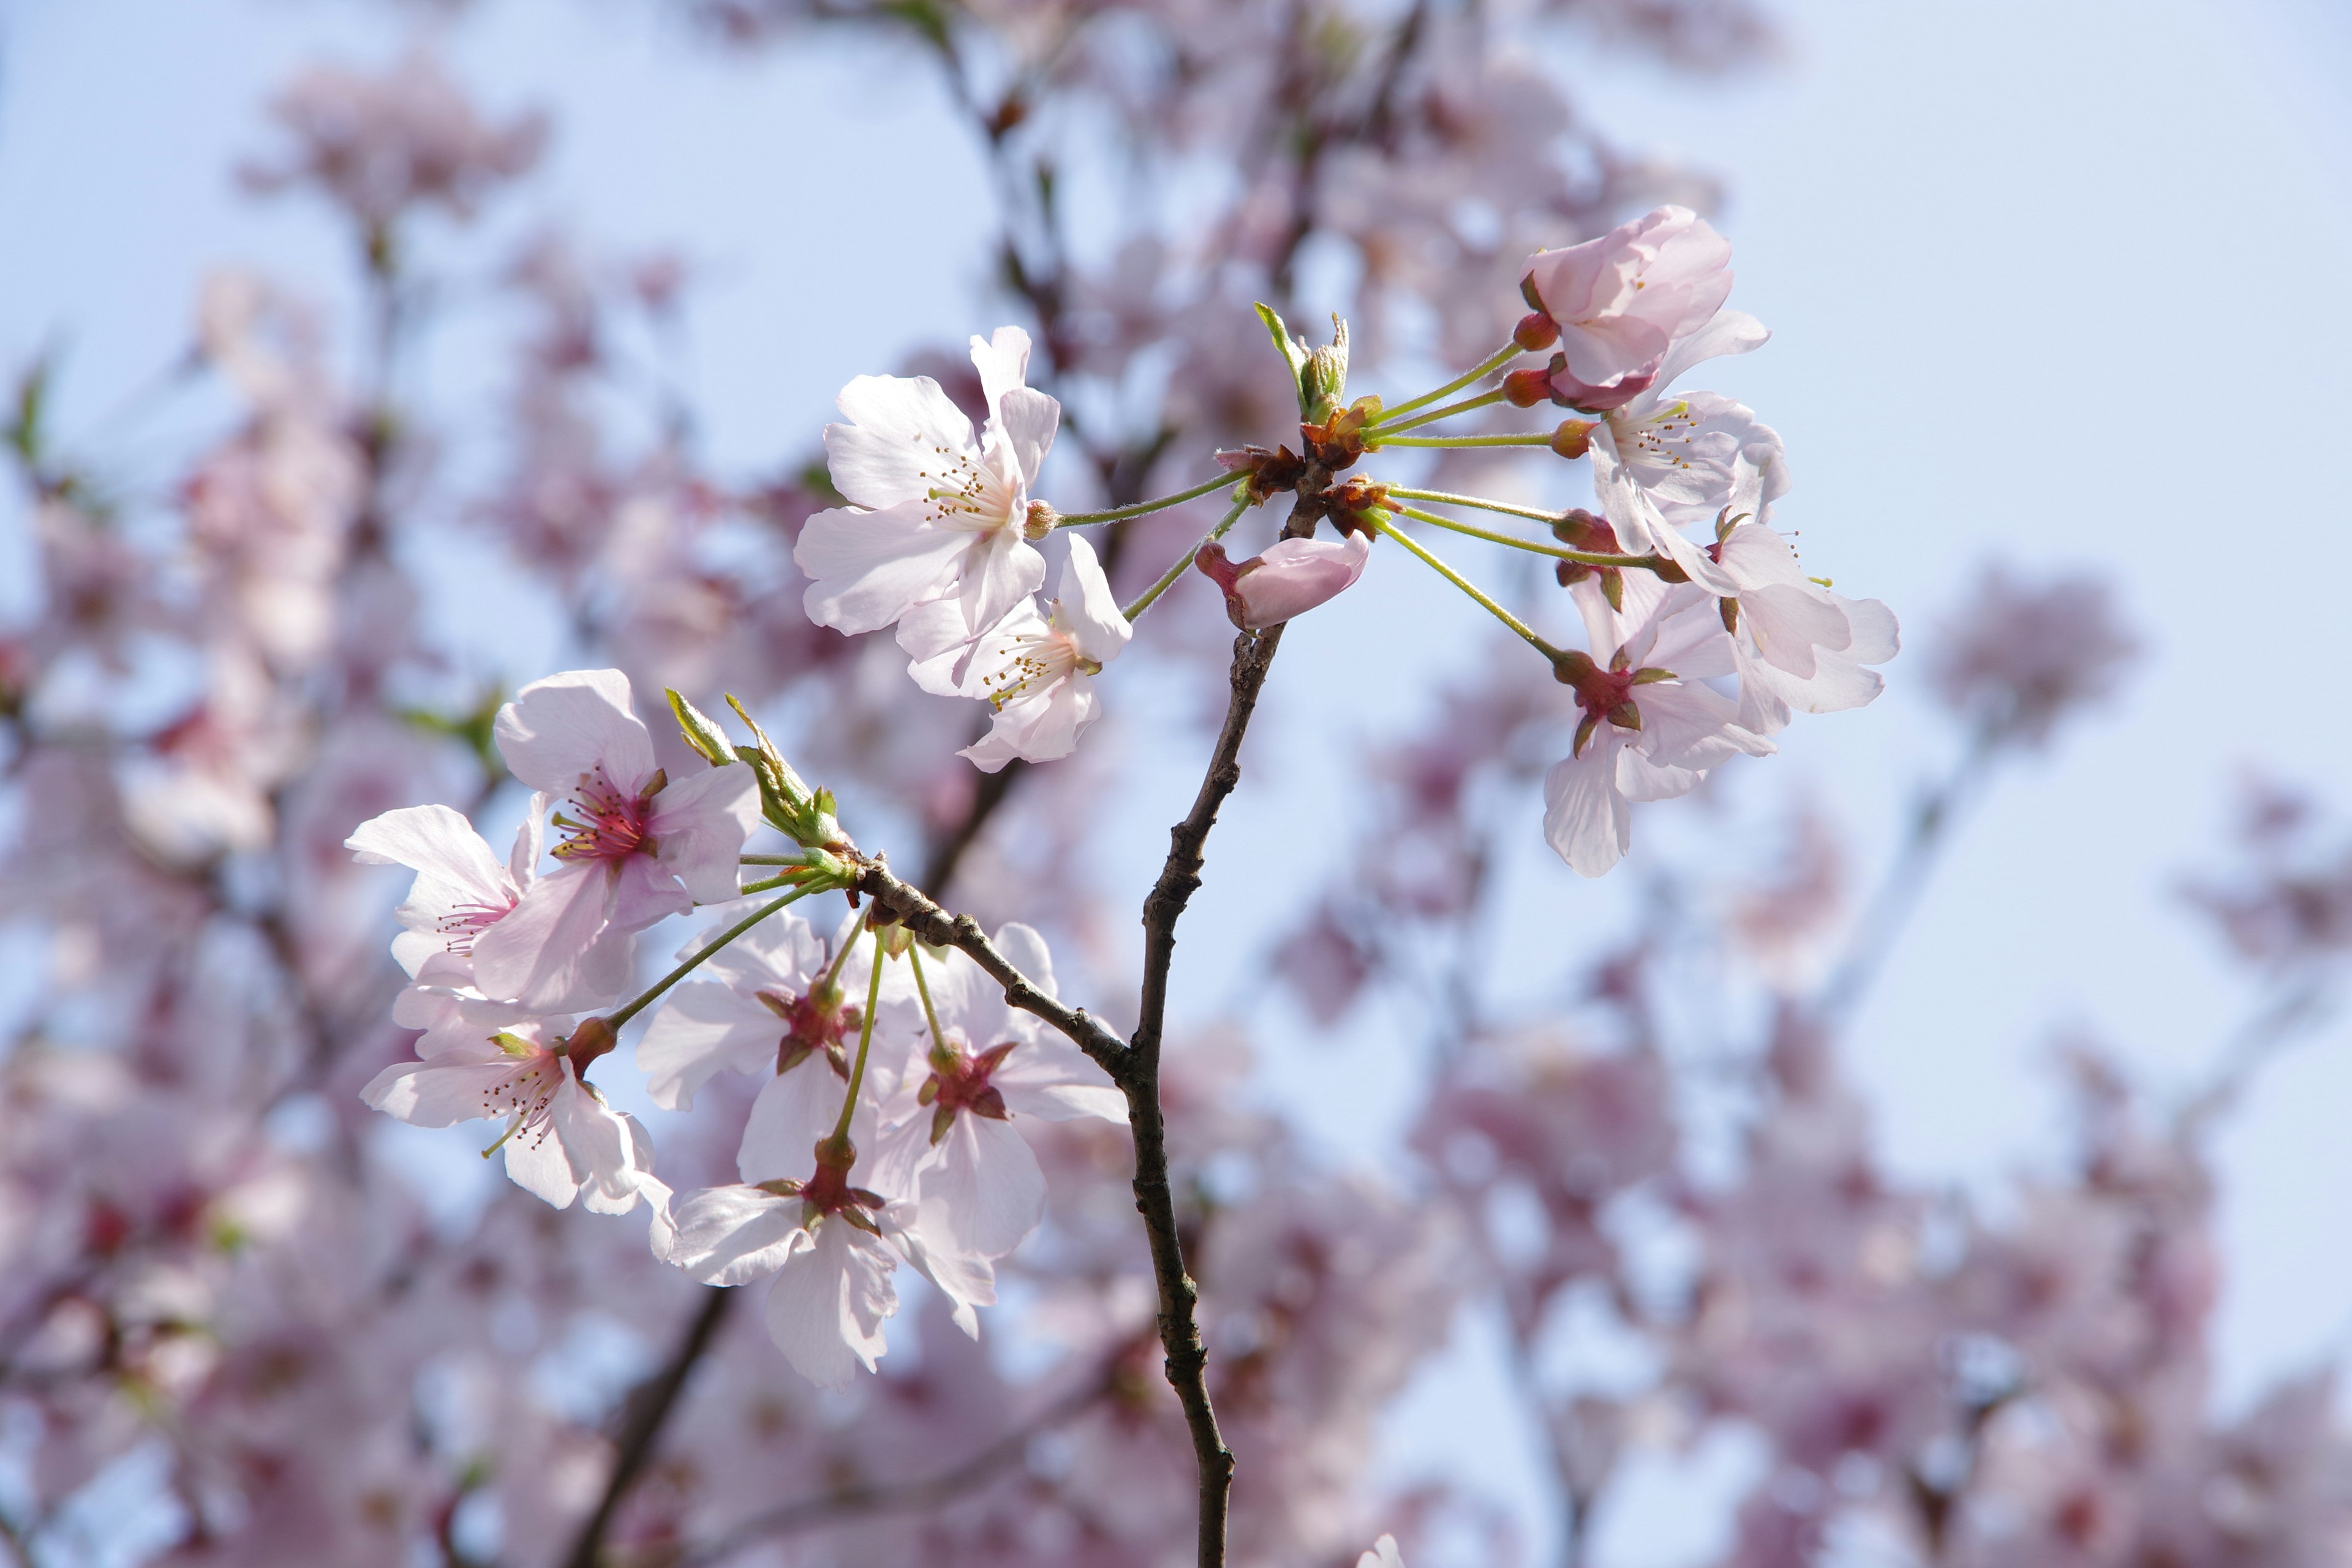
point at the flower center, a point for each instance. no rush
(524, 1095)
(970, 492)
(462, 923)
(959, 1083)
(811, 1025)
(1041, 659)
(612, 821)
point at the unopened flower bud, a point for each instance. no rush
(1043, 521)
(1580, 530)
(1573, 438)
(1573, 668)
(1536, 331)
(1526, 388)
(1291, 578)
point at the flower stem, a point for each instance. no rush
(1484, 368)
(1447, 411)
(1184, 562)
(865, 1038)
(1374, 440)
(1459, 581)
(1120, 513)
(1587, 557)
(696, 958)
(1447, 498)
(922, 989)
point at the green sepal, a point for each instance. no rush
(700, 730)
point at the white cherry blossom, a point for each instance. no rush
(640, 847)
(1035, 668)
(949, 1134)
(1650, 729)
(765, 1003)
(934, 512)
(1798, 645)
(561, 1142)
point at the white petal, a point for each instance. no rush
(730, 1235)
(893, 443)
(1585, 819)
(795, 1111)
(432, 841)
(986, 1189)
(704, 1027)
(869, 568)
(539, 955)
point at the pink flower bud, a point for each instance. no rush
(1291, 578)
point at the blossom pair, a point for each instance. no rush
(940, 539)
(506, 959)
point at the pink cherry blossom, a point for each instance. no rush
(640, 847)
(1289, 579)
(934, 512)
(1622, 299)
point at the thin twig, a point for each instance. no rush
(911, 907)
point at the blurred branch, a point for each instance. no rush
(1891, 907)
(855, 1501)
(648, 1411)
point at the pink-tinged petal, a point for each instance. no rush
(1089, 608)
(1586, 821)
(644, 891)
(703, 1028)
(827, 1305)
(795, 1110)
(985, 1188)
(531, 840)
(1026, 951)
(1622, 299)
(944, 649)
(900, 430)
(732, 1235)
(1725, 332)
(1383, 1554)
(571, 725)
(432, 841)
(1791, 625)
(1026, 420)
(865, 569)
(1002, 360)
(701, 823)
(540, 956)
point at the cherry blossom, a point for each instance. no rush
(1799, 646)
(1620, 300)
(832, 1246)
(639, 849)
(1034, 668)
(1290, 578)
(949, 1133)
(562, 1140)
(1699, 453)
(934, 514)
(769, 1001)
(1650, 729)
